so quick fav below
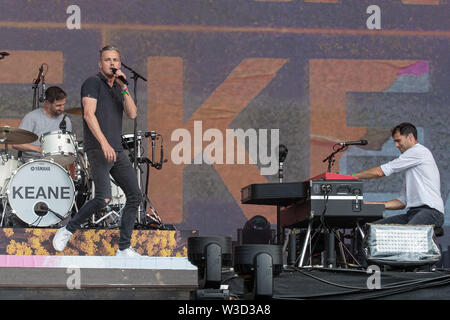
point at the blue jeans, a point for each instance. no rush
(416, 215)
(124, 174)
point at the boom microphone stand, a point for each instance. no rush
(136, 153)
(135, 78)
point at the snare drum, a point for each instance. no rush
(128, 141)
(8, 164)
(39, 191)
(60, 146)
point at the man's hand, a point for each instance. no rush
(389, 205)
(109, 152)
(117, 75)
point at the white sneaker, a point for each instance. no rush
(61, 238)
(128, 252)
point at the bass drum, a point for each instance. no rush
(41, 193)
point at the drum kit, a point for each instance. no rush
(45, 192)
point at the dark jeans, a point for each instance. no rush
(417, 215)
(125, 176)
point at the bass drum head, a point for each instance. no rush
(39, 187)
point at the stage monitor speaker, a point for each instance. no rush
(257, 264)
(401, 245)
(257, 231)
(209, 254)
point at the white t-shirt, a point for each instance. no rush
(422, 183)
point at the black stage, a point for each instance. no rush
(345, 284)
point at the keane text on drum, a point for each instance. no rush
(30, 192)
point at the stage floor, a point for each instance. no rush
(96, 277)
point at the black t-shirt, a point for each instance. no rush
(109, 112)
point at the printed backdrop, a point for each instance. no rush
(310, 68)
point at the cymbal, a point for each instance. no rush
(10, 135)
(76, 111)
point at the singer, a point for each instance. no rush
(420, 193)
(104, 99)
(43, 120)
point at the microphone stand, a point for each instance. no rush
(282, 153)
(330, 158)
(136, 76)
(36, 93)
(329, 233)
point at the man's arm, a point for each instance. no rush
(129, 107)
(389, 205)
(27, 147)
(372, 173)
(90, 105)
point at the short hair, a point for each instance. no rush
(109, 48)
(405, 128)
(54, 93)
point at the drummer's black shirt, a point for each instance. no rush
(109, 111)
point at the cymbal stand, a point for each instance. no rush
(2, 191)
(4, 203)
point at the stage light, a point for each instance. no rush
(257, 264)
(257, 231)
(401, 245)
(209, 254)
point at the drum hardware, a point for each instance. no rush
(108, 212)
(134, 147)
(114, 207)
(4, 203)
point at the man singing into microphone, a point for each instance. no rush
(43, 120)
(104, 99)
(421, 190)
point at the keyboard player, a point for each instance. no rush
(420, 193)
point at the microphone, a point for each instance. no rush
(62, 124)
(282, 152)
(41, 209)
(152, 134)
(43, 97)
(121, 78)
(353, 143)
(41, 70)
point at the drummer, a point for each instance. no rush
(42, 120)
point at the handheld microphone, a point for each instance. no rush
(353, 143)
(121, 78)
